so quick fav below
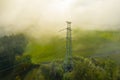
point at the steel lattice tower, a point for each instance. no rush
(68, 63)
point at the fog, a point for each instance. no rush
(48, 16)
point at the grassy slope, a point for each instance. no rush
(46, 51)
(85, 43)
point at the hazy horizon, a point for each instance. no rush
(41, 16)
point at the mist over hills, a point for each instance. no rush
(38, 17)
(33, 39)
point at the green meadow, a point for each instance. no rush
(100, 44)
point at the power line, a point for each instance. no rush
(11, 67)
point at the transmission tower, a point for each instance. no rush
(68, 63)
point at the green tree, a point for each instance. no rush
(10, 46)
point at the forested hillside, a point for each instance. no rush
(95, 56)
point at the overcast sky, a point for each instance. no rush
(48, 15)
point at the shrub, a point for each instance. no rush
(53, 71)
(83, 69)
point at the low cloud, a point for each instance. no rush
(41, 16)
